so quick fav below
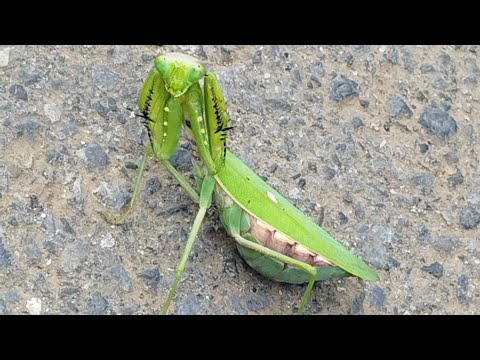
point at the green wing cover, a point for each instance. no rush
(259, 199)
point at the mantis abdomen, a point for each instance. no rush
(237, 221)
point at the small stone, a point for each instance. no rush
(55, 244)
(230, 267)
(54, 156)
(5, 56)
(97, 304)
(5, 255)
(95, 156)
(11, 296)
(312, 167)
(31, 248)
(347, 197)
(318, 71)
(41, 284)
(104, 78)
(447, 216)
(69, 290)
(151, 277)
(67, 227)
(446, 243)
(34, 306)
(257, 57)
(456, 179)
(426, 68)
(439, 82)
(177, 208)
(399, 108)
(473, 198)
(409, 62)
(462, 290)
(152, 186)
(357, 305)
(28, 129)
(471, 79)
(474, 248)
(357, 122)
(471, 65)
(120, 54)
(238, 306)
(121, 118)
(349, 58)
(182, 159)
(294, 193)
(69, 129)
(469, 217)
(53, 112)
(112, 104)
(344, 88)
(122, 279)
(108, 241)
(435, 269)
(423, 232)
(359, 211)
(77, 202)
(422, 179)
(190, 305)
(451, 156)
(438, 122)
(73, 256)
(48, 223)
(383, 233)
(102, 109)
(342, 218)
(19, 92)
(392, 56)
(278, 104)
(361, 48)
(35, 204)
(423, 148)
(3, 306)
(146, 58)
(373, 249)
(446, 63)
(329, 173)
(257, 302)
(377, 297)
(112, 195)
(364, 103)
(132, 166)
(30, 78)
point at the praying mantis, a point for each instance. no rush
(272, 235)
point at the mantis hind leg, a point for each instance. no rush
(287, 260)
(117, 220)
(208, 186)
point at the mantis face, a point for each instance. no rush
(179, 71)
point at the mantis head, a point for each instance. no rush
(179, 71)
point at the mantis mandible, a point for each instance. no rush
(272, 235)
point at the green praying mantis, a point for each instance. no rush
(272, 235)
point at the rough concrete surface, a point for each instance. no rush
(378, 144)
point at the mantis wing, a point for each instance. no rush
(262, 201)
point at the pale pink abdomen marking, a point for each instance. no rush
(273, 239)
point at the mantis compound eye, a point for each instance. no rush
(196, 73)
(162, 65)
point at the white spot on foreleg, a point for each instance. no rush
(272, 197)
